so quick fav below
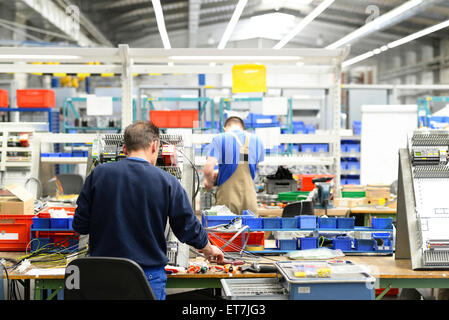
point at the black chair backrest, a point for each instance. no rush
(106, 278)
(293, 209)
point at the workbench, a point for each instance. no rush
(389, 273)
(370, 211)
(266, 212)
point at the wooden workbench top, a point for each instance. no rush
(373, 210)
(380, 267)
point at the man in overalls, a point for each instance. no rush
(237, 154)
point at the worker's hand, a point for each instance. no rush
(213, 254)
(208, 185)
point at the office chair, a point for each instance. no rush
(304, 207)
(72, 183)
(106, 278)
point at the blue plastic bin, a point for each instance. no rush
(364, 244)
(308, 243)
(353, 147)
(59, 223)
(65, 155)
(353, 165)
(211, 221)
(342, 243)
(41, 223)
(287, 244)
(38, 243)
(310, 129)
(344, 165)
(307, 222)
(345, 223)
(321, 148)
(70, 223)
(383, 241)
(382, 223)
(307, 147)
(289, 223)
(260, 120)
(252, 222)
(328, 223)
(79, 153)
(272, 223)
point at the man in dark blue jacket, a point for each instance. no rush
(124, 207)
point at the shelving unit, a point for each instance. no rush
(352, 176)
(14, 171)
(51, 123)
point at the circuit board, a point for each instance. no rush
(430, 173)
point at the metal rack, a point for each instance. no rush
(127, 61)
(48, 110)
(23, 169)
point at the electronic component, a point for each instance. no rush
(109, 148)
(429, 156)
(423, 204)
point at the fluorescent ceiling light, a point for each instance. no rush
(375, 24)
(161, 23)
(304, 22)
(290, 4)
(235, 58)
(270, 25)
(418, 34)
(358, 59)
(397, 43)
(232, 23)
(38, 57)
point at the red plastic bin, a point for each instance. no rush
(45, 213)
(36, 98)
(15, 231)
(174, 118)
(4, 101)
(305, 181)
(220, 238)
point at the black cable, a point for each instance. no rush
(194, 168)
(7, 281)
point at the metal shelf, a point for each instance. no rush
(64, 160)
(290, 160)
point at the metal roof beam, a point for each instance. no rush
(194, 21)
(61, 20)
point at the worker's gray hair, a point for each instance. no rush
(140, 135)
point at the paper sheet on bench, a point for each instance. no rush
(46, 272)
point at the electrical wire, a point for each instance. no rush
(7, 281)
(194, 168)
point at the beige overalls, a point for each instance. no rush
(238, 192)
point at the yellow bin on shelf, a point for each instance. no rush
(249, 78)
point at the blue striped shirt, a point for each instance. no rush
(225, 148)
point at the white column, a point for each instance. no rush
(127, 86)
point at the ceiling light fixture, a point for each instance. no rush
(304, 22)
(232, 23)
(397, 43)
(375, 24)
(161, 23)
(234, 58)
(39, 57)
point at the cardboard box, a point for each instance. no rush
(349, 202)
(15, 199)
(377, 191)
